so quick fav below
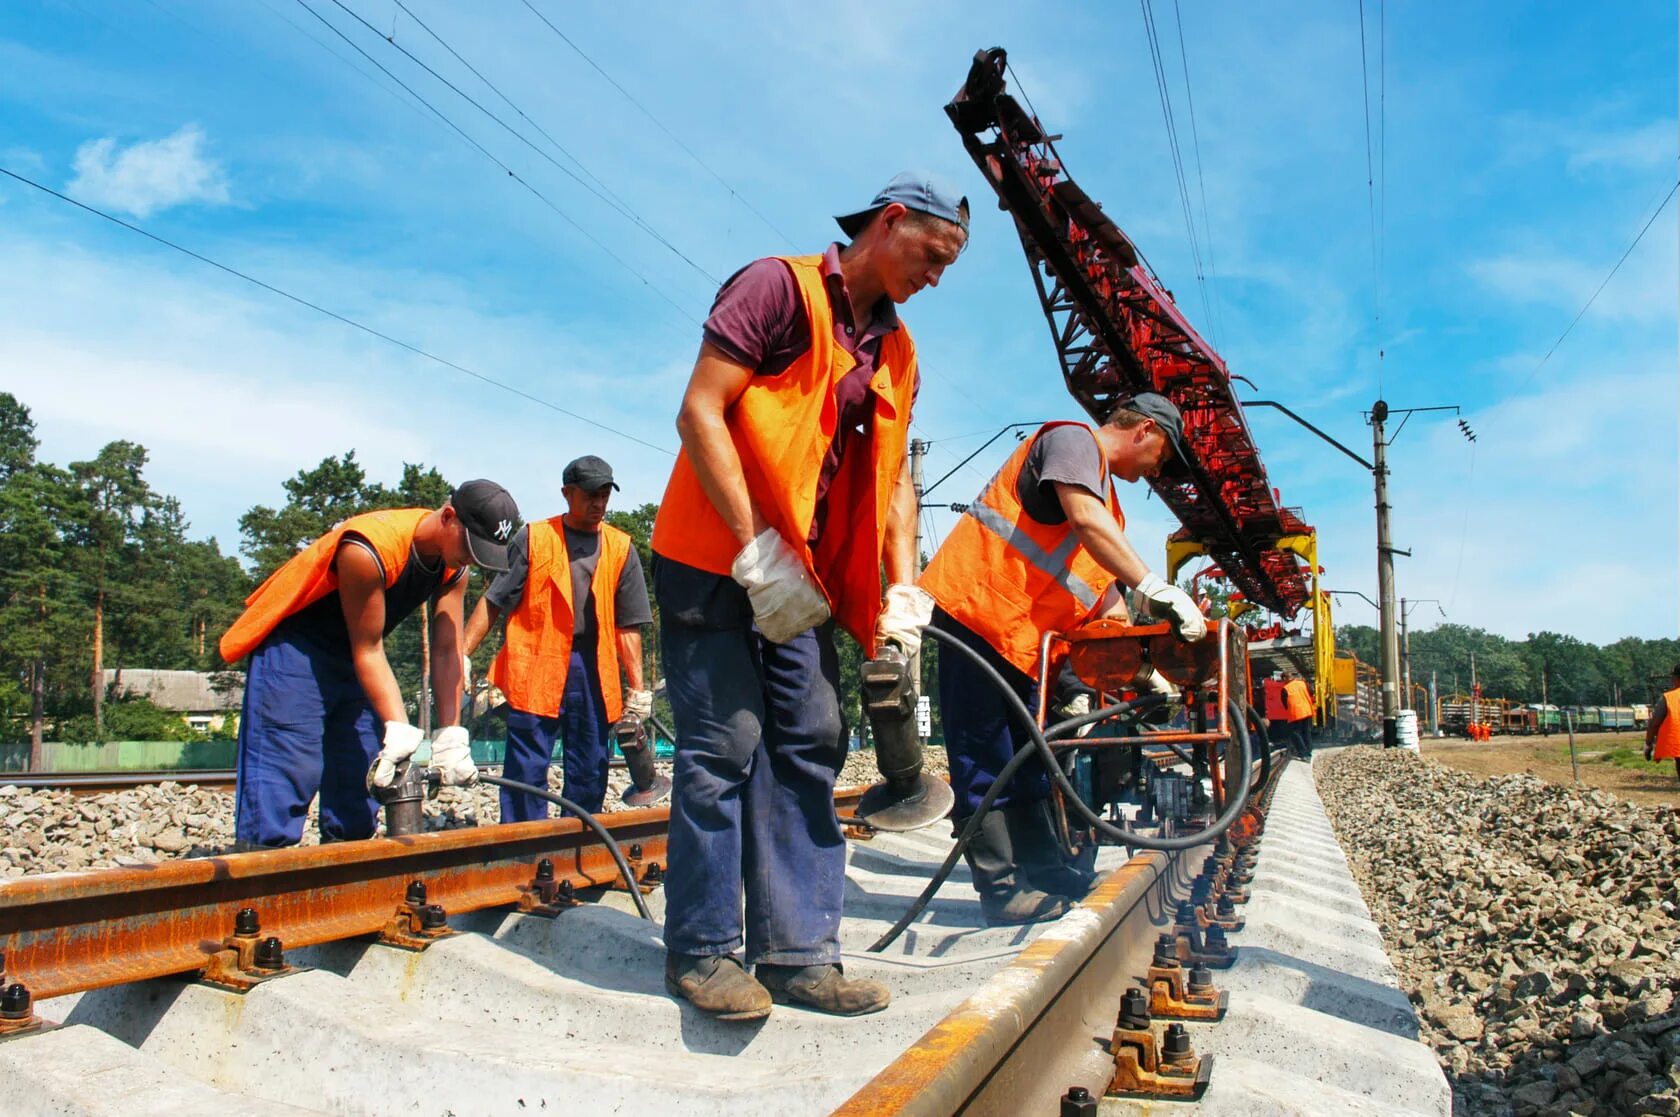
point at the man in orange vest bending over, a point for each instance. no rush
(321, 702)
(1039, 551)
(1662, 732)
(790, 495)
(575, 603)
(1298, 703)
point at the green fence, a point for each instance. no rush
(121, 756)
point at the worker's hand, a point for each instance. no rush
(1650, 751)
(1165, 601)
(785, 602)
(1157, 683)
(638, 703)
(452, 756)
(401, 741)
(1077, 706)
(466, 673)
(906, 611)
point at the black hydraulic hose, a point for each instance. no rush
(1235, 801)
(1265, 746)
(972, 827)
(593, 823)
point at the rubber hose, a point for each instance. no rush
(1265, 747)
(972, 827)
(593, 823)
(1234, 805)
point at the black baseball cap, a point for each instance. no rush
(490, 517)
(1165, 414)
(588, 473)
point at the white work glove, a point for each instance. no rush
(1160, 684)
(452, 756)
(638, 703)
(1077, 706)
(401, 742)
(785, 602)
(906, 611)
(1165, 601)
(466, 672)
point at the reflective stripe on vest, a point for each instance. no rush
(309, 576)
(536, 653)
(1668, 733)
(1010, 579)
(782, 427)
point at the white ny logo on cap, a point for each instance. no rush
(503, 529)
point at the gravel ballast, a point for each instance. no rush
(1534, 926)
(56, 831)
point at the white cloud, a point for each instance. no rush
(1646, 147)
(150, 175)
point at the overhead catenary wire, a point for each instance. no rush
(645, 111)
(1371, 197)
(602, 193)
(511, 173)
(1165, 93)
(1218, 324)
(333, 314)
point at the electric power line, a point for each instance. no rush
(643, 109)
(1669, 197)
(1161, 87)
(1370, 196)
(1201, 185)
(333, 314)
(612, 200)
(511, 173)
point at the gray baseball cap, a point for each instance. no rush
(917, 190)
(588, 473)
(1152, 405)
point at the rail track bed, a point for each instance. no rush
(158, 987)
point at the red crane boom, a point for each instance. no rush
(1117, 332)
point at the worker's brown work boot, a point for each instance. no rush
(1039, 853)
(716, 984)
(1005, 897)
(824, 988)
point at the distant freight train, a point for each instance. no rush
(1458, 711)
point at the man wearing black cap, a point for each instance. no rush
(1042, 549)
(789, 501)
(575, 604)
(321, 702)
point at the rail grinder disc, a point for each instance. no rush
(884, 809)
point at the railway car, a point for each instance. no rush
(1641, 715)
(1546, 716)
(1615, 719)
(1519, 721)
(1457, 712)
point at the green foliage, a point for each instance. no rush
(1574, 672)
(128, 719)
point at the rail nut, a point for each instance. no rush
(270, 956)
(416, 893)
(1078, 1102)
(246, 922)
(17, 1012)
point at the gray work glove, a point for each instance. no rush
(785, 601)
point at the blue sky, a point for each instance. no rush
(1525, 146)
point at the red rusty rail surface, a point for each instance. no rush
(67, 933)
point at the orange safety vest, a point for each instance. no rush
(537, 649)
(1010, 579)
(782, 427)
(310, 575)
(1668, 733)
(1299, 698)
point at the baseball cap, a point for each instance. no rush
(1165, 413)
(917, 190)
(588, 473)
(490, 517)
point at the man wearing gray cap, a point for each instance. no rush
(1042, 549)
(790, 499)
(575, 604)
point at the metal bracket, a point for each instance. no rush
(1171, 999)
(1145, 1067)
(416, 924)
(245, 962)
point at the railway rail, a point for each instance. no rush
(235, 924)
(95, 783)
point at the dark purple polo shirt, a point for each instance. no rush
(758, 320)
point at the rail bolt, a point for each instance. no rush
(1166, 952)
(654, 873)
(433, 917)
(566, 890)
(545, 871)
(1201, 979)
(246, 922)
(1176, 1045)
(1216, 941)
(15, 1002)
(1078, 1102)
(416, 893)
(1134, 1010)
(1225, 909)
(270, 955)
(635, 851)
(1186, 914)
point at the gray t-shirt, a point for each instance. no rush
(583, 549)
(1067, 454)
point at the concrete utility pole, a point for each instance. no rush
(1405, 661)
(1388, 639)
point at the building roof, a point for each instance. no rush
(186, 692)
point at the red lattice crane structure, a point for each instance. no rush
(1118, 332)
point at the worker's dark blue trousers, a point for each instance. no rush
(306, 727)
(981, 731)
(582, 730)
(752, 808)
